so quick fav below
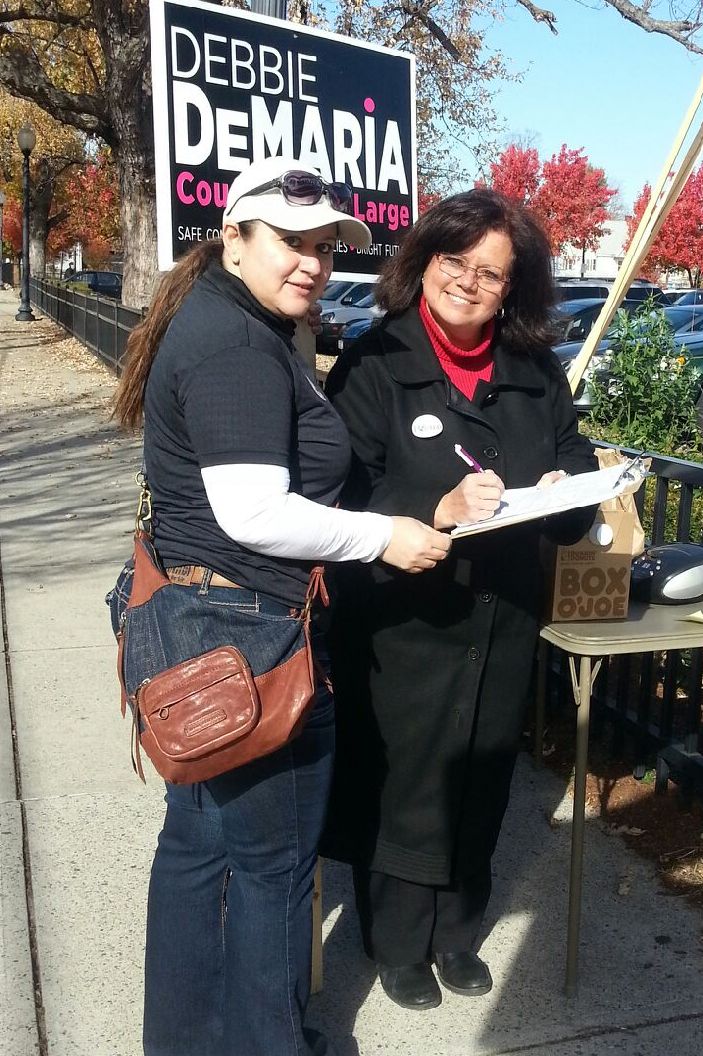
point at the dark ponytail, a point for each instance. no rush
(145, 339)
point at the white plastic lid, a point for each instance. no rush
(601, 534)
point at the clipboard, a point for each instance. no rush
(519, 505)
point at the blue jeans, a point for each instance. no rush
(229, 923)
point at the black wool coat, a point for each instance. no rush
(432, 671)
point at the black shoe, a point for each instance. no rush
(411, 985)
(464, 973)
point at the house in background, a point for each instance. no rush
(603, 263)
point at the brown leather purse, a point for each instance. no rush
(209, 714)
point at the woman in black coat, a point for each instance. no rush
(432, 673)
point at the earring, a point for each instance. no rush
(500, 314)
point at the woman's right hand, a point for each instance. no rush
(475, 498)
(415, 546)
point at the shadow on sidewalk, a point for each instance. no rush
(67, 460)
(639, 955)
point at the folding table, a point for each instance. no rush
(648, 628)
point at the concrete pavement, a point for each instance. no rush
(77, 829)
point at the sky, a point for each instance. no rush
(602, 84)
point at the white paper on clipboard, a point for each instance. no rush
(583, 489)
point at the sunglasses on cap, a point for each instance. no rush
(305, 188)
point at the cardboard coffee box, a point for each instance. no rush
(592, 578)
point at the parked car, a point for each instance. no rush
(690, 345)
(335, 290)
(640, 290)
(102, 283)
(342, 292)
(334, 321)
(673, 293)
(688, 340)
(574, 320)
(684, 318)
(567, 353)
(352, 331)
(690, 297)
(578, 289)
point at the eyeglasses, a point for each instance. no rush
(305, 188)
(488, 279)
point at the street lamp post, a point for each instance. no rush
(2, 217)
(26, 139)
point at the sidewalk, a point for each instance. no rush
(71, 953)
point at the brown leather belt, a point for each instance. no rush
(188, 575)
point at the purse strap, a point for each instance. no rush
(143, 521)
(143, 536)
(143, 527)
(135, 745)
(316, 588)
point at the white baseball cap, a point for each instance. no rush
(247, 201)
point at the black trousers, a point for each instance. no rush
(406, 923)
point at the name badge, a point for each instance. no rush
(427, 425)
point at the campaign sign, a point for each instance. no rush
(231, 87)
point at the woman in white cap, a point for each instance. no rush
(245, 459)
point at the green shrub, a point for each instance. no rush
(646, 398)
(647, 401)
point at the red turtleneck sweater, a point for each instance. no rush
(464, 367)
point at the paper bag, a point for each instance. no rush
(625, 503)
(591, 578)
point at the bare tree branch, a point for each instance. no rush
(680, 30)
(55, 220)
(439, 35)
(94, 73)
(419, 11)
(22, 76)
(540, 14)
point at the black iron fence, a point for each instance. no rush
(100, 323)
(656, 699)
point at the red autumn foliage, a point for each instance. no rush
(572, 200)
(516, 173)
(97, 251)
(12, 225)
(679, 244)
(425, 200)
(59, 240)
(91, 200)
(568, 194)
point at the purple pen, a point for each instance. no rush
(469, 459)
